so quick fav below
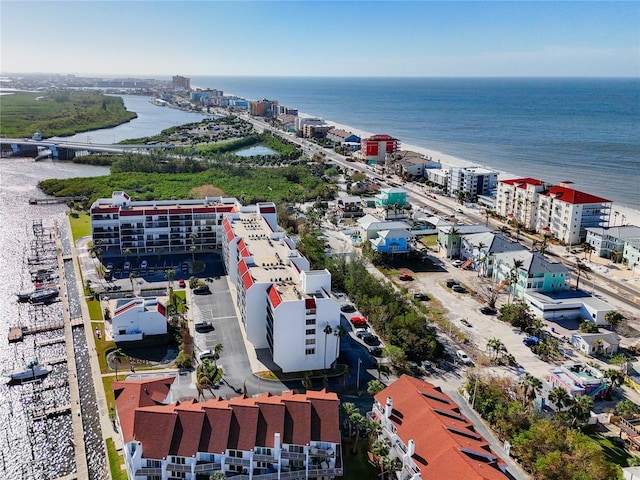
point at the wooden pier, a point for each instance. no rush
(16, 334)
(55, 200)
(50, 341)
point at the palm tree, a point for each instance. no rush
(358, 421)
(193, 236)
(306, 381)
(340, 332)
(132, 277)
(580, 409)
(327, 331)
(588, 249)
(219, 475)
(613, 318)
(513, 277)
(217, 350)
(580, 268)
(560, 398)
(348, 410)
(118, 355)
(374, 387)
(498, 348)
(615, 377)
(530, 387)
(383, 370)
(390, 465)
(170, 274)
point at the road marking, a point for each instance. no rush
(222, 318)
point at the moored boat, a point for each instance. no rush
(32, 371)
(43, 296)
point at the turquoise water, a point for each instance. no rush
(583, 130)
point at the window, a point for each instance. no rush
(310, 341)
(311, 331)
(310, 351)
(311, 321)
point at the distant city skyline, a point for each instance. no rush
(305, 38)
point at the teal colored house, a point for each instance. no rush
(391, 196)
(535, 273)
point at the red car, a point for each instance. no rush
(358, 321)
(405, 277)
(181, 283)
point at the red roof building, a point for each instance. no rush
(265, 434)
(428, 432)
(375, 148)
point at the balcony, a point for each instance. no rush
(245, 462)
(293, 455)
(176, 467)
(207, 467)
(148, 471)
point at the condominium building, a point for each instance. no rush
(559, 210)
(374, 149)
(264, 108)
(517, 199)
(471, 181)
(181, 83)
(293, 436)
(120, 225)
(609, 242)
(284, 306)
(426, 430)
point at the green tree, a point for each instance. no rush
(518, 314)
(497, 348)
(580, 409)
(513, 278)
(613, 318)
(374, 387)
(358, 421)
(390, 465)
(217, 350)
(132, 278)
(530, 386)
(348, 409)
(581, 269)
(627, 408)
(560, 398)
(615, 377)
(169, 274)
(340, 332)
(327, 331)
(395, 355)
(118, 355)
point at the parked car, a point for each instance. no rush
(203, 326)
(347, 308)
(463, 357)
(427, 366)
(109, 266)
(108, 275)
(361, 332)
(457, 263)
(143, 265)
(459, 289)
(371, 340)
(488, 311)
(405, 277)
(127, 266)
(531, 341)
(358, 321)
(375, 351)
(206, 354)
(201, 290)
(421, 296)
(451, 282)
(181, 283)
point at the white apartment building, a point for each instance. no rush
(159, 226)
(267, 437)
(564, 212)
(284, 306)
(438, 176)
(472, 181)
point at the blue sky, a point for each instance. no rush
(318, 38)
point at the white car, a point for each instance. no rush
(457, 263)
(206, 354)
(127, 266)
(463, 357)
(143, 265)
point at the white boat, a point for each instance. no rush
(43, 296)
(32, 371)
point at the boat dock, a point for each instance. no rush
(54, 200)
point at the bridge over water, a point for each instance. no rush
(66, 150)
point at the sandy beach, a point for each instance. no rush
(626, 215)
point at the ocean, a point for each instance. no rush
(555, 129)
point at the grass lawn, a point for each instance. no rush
(429, 240)
(613, 451)
(95, 309)
(115, 462)
(80, 225)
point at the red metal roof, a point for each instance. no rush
(274, 296)
(522, 182)
(309, 303)
(570, 195)
(445, 440)
(105, 210)
(215, 425)
(247, 281)
(242, 267)
(156, 211)
(270, 209)
(130, 213)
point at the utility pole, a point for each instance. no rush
(358, 376)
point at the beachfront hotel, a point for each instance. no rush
(267, 437)
(426, 430)
(559, 210)
(284, 306)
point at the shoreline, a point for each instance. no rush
(630, 214)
